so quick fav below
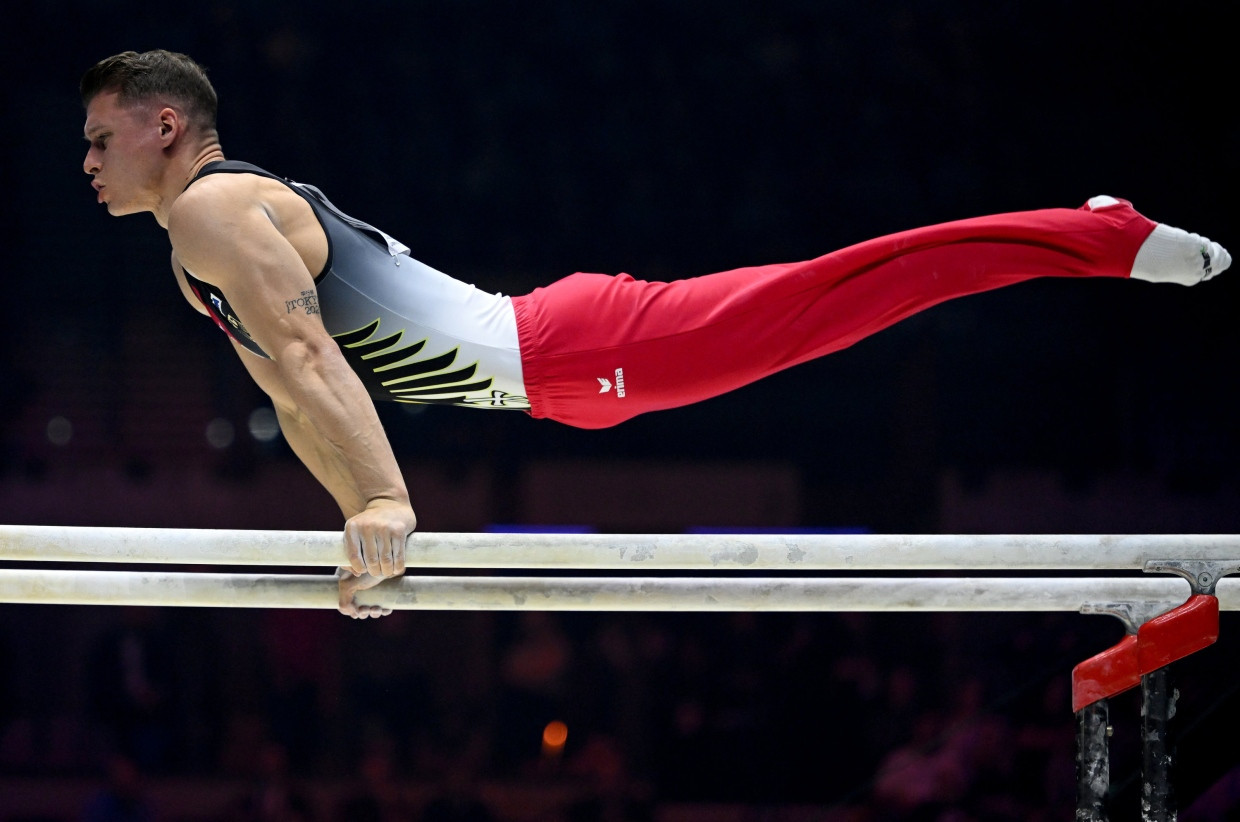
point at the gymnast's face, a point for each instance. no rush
(126, 151)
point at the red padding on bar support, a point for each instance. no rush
(1113, 671)
(1158, 643)
(1178, 633)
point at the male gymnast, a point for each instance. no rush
(329, 314)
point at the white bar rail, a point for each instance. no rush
(600, 594)
(633, 552)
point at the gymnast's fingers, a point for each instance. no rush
(353, 547)
(348, 586)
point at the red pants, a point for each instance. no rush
(599, 349)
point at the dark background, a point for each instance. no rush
(510, 144)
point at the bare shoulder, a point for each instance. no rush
(237, 216)
(209, 210)
(218, 198)
(217, 195)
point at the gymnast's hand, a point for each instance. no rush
(350, 583)
(375, 545)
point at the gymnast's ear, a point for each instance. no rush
(171, 124)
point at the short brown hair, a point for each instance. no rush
(159, 75)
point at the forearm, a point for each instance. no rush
(321, 460)
(335, 431)
(369, 554)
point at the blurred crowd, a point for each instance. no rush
(935, 717)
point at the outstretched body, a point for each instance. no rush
(328, 313)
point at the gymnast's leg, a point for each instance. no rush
(598, 349)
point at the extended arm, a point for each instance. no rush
(231, 239)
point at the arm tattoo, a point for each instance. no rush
(308, 300)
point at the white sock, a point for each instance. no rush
(1172, 255)
(1101, 201)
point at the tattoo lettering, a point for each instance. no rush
(308, 300)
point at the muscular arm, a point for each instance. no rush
(326, 462)
(228, 235)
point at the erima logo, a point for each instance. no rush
(605, 384)
(1206, 261)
